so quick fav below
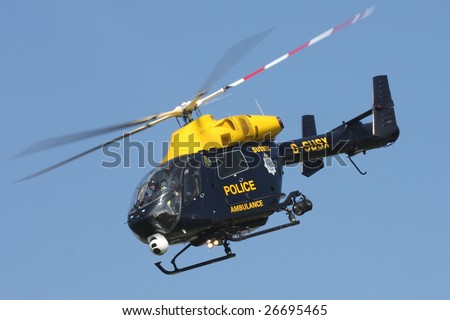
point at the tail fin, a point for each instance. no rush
(384, 123)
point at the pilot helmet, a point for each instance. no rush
(153, 185)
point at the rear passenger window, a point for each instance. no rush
(231, 163)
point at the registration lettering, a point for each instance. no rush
(311, 145)
(315, 144)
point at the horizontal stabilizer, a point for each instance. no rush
(308, 126)
(309, 130)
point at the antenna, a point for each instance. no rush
(260, 109)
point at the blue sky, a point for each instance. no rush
(68, 66)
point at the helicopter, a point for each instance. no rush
(221, 179)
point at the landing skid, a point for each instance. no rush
(228, 255)
(241, 237)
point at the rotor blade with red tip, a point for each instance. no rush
(353, 20)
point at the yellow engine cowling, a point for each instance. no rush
(205, 133)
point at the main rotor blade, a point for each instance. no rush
(235, 54)
(125, 135)
(69, 138)
(353, 20)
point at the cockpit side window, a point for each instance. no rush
(191, 182)
(160, 182)
(139, 193)
(231, 163)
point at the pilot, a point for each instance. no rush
(157, 188)
(153, 186)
